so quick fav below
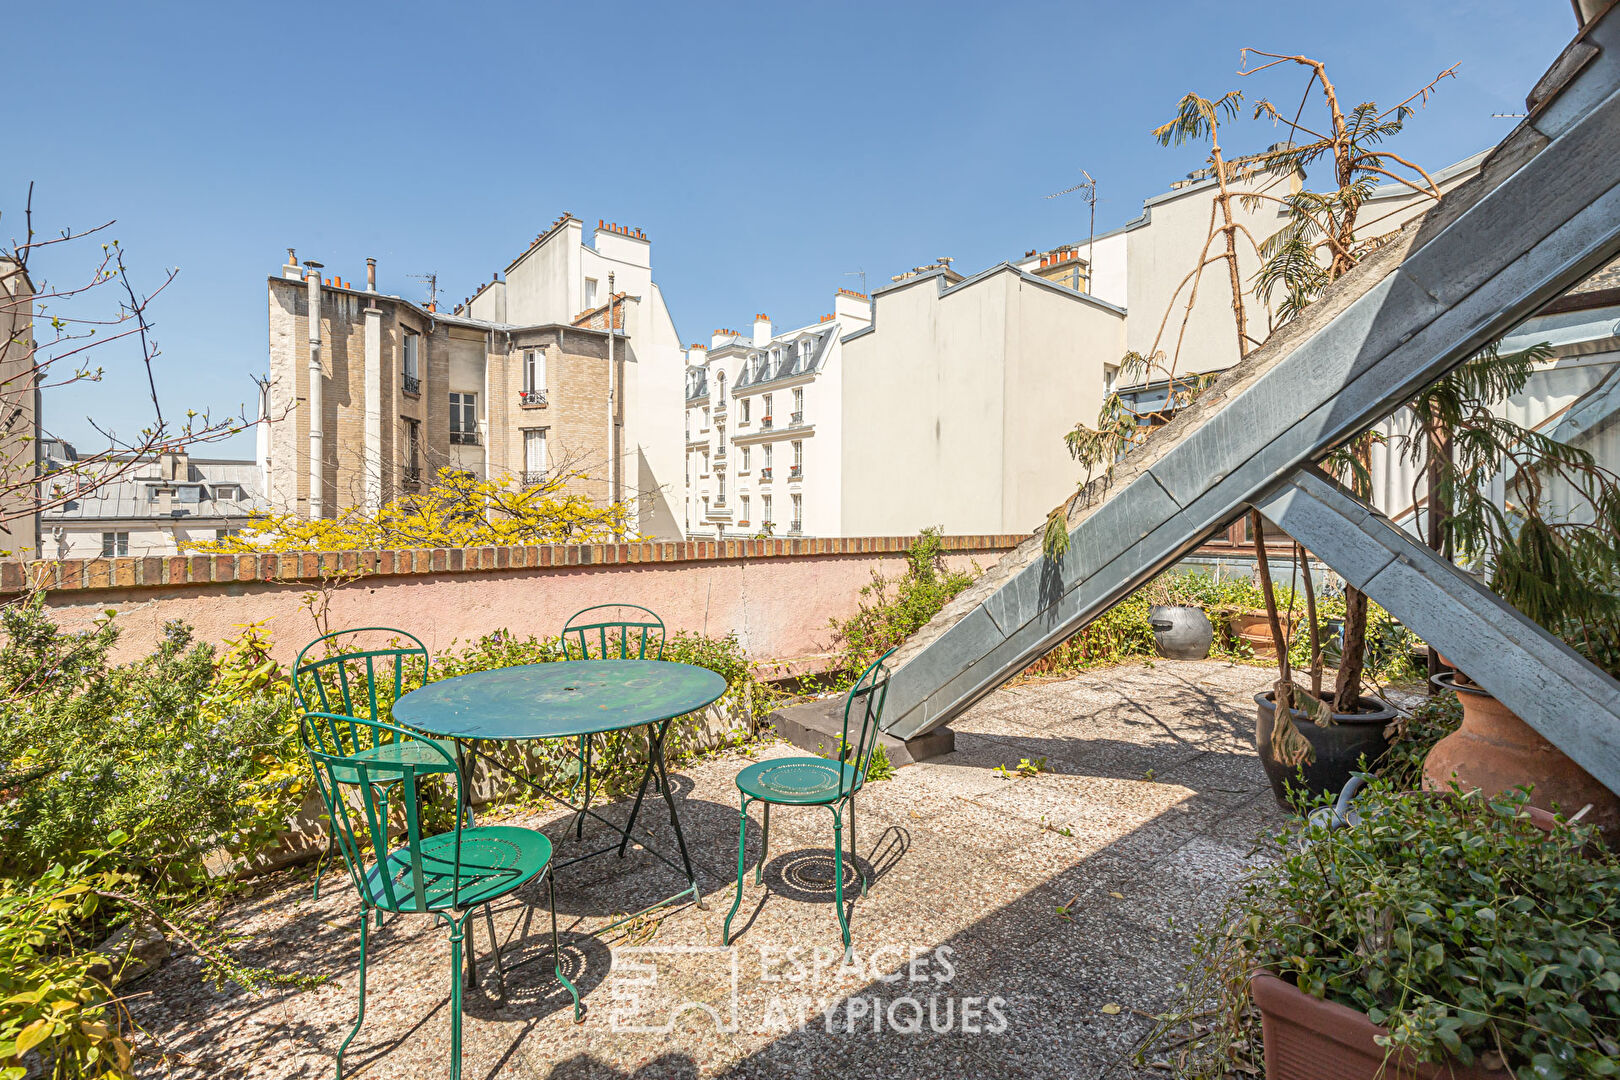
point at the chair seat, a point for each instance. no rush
(495, 859)
(800, 781)
(418, 752)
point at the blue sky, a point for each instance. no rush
(768, 150)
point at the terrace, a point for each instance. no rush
(1069, 895)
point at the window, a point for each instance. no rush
(742, 403)
(188, 493)
(464, 418)
(765, 411)
(720, 389)
(534, 370)
(413, 372)
(745, 456)
(535, 458)
(743, 516)
(705, 418)
(769, 449)
(776, 362)
(798, 513)
(765, 509)
(221, 534)
(590, 293)
(720, 491)
(114, 544)
(798, 454)
(804, 352)
(227, 491)
(798, 405)
(413, 450)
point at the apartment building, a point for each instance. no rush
(150, 505)
(566, 364)
(19, 414)
(763, 427)
(956, 398)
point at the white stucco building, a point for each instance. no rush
(764, 427)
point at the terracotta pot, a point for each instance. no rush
(1339, 747)
(1253, 627)
(1311, 1039)
(1494, 750)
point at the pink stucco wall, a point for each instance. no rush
(779, 606)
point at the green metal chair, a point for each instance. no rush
(815, 781)
(451, 875)
(362, 684)
(614, 632)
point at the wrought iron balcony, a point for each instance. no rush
(720, 451)
(796, 472)
(764, 474)
(766, 423)
(534, 477)
(465, 438)
(796, 419)
(531, 399)
(797, 526)
(412, 384)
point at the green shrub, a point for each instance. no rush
(175, 750)
(1415, 735)
(892, 609)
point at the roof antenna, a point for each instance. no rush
(860, 274)
(432, 285)
(1089, 194)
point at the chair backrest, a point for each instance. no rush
(864, 706)
(331, 671)
(356, 792)
(614, 632)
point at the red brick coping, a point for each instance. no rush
(154, 571)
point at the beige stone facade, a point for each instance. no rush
(19, 414)
(414, 433)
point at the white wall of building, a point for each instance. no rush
(956, 401)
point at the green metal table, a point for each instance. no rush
(565, 700)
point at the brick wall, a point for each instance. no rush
(776, 595)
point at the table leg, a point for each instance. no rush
(674, 819)
(464, 816)
(654, 749)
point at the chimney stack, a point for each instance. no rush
(762, 329)
(371, 275)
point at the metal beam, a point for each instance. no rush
(1552, 687)
(1544, 212)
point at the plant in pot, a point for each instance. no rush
(1549, 544)
(1454, 935)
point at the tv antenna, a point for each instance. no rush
(432, 285)
(1088, 190)
(857, 272)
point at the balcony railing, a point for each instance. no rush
(795, 472)
(720, 407)
(465, 438)
(796, 419)
(534, 477)
(797, 526)
(766, 423)
(412, 384)
(720, 452)
(531, 399)
(764, 474)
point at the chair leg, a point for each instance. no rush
(838, 877)
(556, 950)
(855, 852)
(495, 949)
(742, 838)
(457, 931)
(365, 922)
(764, 846)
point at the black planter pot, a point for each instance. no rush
(1180, 631)
(1339, 747)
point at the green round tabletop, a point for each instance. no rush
(558, 700)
